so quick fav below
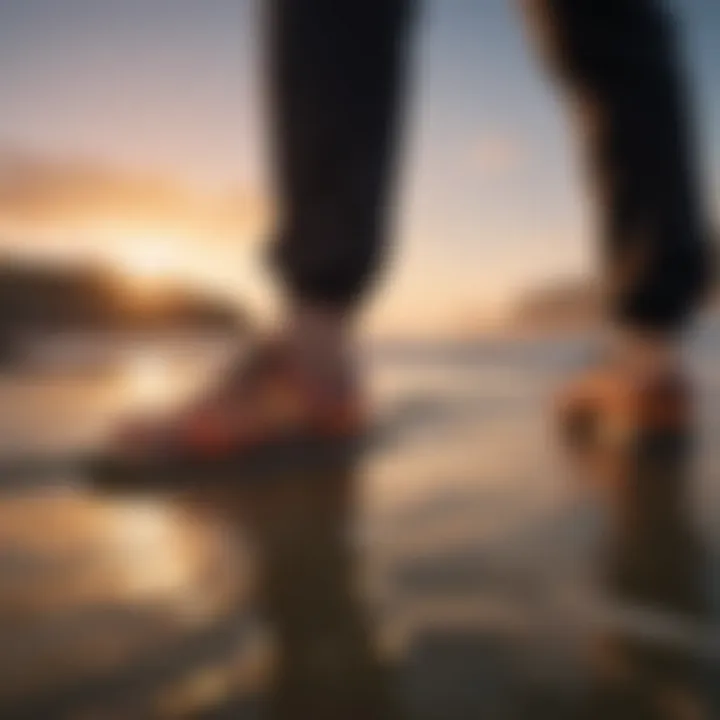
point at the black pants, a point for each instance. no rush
(337, 80)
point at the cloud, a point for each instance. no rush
(38, 194)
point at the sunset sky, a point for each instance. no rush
(132, 131)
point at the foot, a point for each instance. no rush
(621, 401)
(263, 403)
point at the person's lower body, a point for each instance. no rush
(336, 78)
(619, 63)
(336, 114)
(336, 75)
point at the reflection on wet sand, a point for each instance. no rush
(325, 663)
(654, 563)
(326, 660)
(89, 586)
(321, 662)
(441, 576)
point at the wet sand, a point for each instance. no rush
(458, 568)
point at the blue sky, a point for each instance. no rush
(492, 198)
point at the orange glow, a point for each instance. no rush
(148, 259)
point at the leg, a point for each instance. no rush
(335, 77)
(618, 60)
(633, 420)
(336, 72)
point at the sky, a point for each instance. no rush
(132, 131)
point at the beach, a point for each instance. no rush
(452, 569)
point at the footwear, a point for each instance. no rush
(261, 407)
(612, 407)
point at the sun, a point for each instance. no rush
(148, 259)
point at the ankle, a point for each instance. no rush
(321, 340)
(647, 355)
